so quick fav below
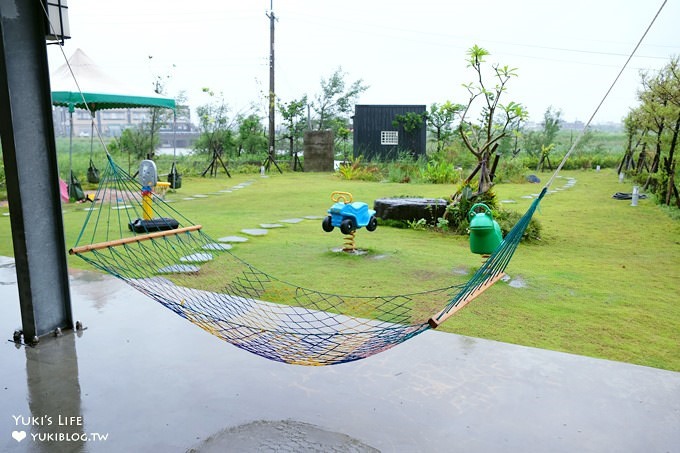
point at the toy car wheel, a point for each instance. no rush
(347, 226)
(327, 224)
(372, 224)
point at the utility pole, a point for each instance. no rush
(272, 96)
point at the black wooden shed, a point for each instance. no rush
(376, 137)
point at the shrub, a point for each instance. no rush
(507, 220)
(456, 213)
(440, 172)
(402, 171)
(355, 170)
(510, 171)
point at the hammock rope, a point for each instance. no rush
(193, 275)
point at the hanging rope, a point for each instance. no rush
(191, 274)
(611, 87)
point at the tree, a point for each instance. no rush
(635, 133)
(659, 113)
(410, 122)
(440, 120)
(335, 101)
(159, 116)
(135, 141)
(483, 136)
(540, 143)
(216, 134)
(214, 125)
(251, 137)
(293, 114)
(344, 134)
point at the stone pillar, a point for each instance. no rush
(318, 148)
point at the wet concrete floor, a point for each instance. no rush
(141, 379)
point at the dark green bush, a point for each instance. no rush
(507, 220)
(457, 212)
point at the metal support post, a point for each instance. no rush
(30, 157)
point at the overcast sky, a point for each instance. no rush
(407, 52)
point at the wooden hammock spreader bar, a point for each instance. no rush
(139, 238)
(443, 315)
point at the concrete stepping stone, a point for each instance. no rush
(125, 206)
(255, 231)
(216, 246)
(196, 258)
(527, 197)
(313, 217)
(269, 226)
(179, 269)
(233, 239)
(200, 195)
(293, 221)
(188, 198)
(508, 201)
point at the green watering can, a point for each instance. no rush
(485, 233)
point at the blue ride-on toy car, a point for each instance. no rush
(347, 215)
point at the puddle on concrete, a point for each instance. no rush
(283, 435)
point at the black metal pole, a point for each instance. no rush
(30, 157)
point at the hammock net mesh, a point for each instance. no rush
(201, 280)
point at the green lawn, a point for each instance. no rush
(603, 282)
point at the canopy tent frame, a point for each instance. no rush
(81, 84)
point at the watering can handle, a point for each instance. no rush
(472, 212)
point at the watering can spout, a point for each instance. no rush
(485, 232)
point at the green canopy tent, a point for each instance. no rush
(81, 84)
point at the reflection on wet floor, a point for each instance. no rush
(140, 378)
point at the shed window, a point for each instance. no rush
(389, 137)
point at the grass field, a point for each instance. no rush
(603, 282)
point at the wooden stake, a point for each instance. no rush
(140, 238)
(443, 315)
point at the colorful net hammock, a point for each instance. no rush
(247, 307)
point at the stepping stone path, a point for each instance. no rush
(265, 227)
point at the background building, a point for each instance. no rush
(377, 137)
